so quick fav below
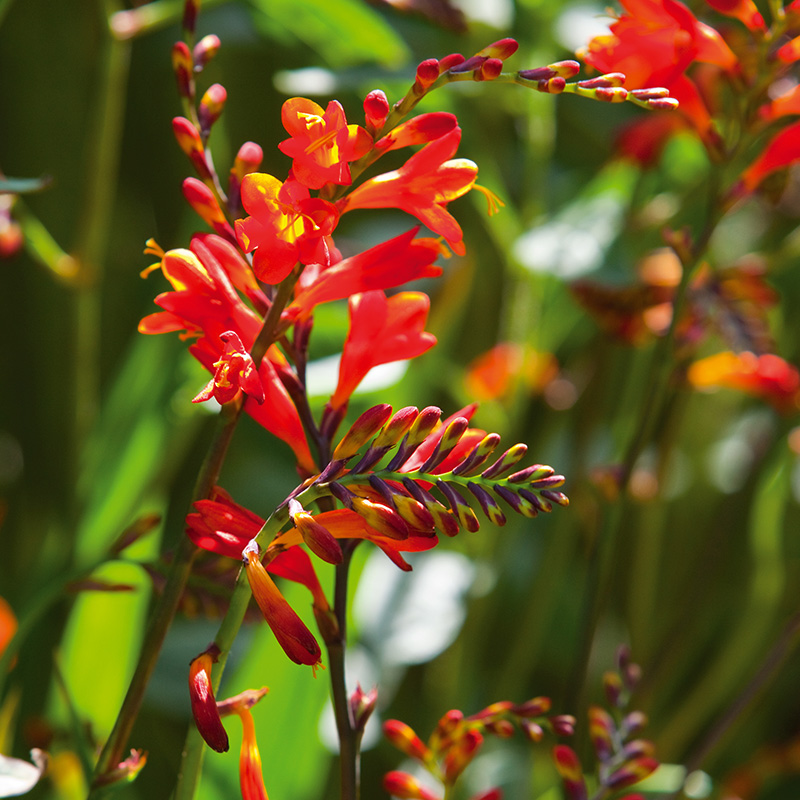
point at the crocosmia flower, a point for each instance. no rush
(204, 706)
(321, 143)
(236, 372)
(653, 44)
(382, 329)
(286, 225)
(423, 187)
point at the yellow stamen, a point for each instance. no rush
(493, 201)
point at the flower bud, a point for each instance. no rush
(632, 772)
(376, 109)
(211, 106)
(361, 431)
(318, 538)
(404, 786)
(427, 73)
(461, 754)
(183, 68)
(569, 768)
(205, 205)
(500, 50)
(204, 706)
(535, 707)
(362, 704)
(204, 51)
(405, 739)
(563, 724)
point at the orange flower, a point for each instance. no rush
(286, 225)
(768, 377)
(321, 143)
(382, 330)
(384, 266)
(293, 636)
(8, 624)
(423, 186)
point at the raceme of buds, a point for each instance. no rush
(204, 706)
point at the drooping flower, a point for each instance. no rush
(382, 329)
(204, 706)
(291, 632)
(286, 225)
(423, 187)
(653, 44)
(321, 143)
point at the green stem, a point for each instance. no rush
(349, 755)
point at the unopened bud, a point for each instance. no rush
(202, 200)
(317, 537)
(405, 739)
(633, 772)
(204, 51)
(211, 106)
(461, 754)
(383, 519)
(188, 138)
(535, 707)
(501, 728)
(405, 787)
(376, 109)
(183, 67)
(489, 70)
(611, 94)
(532, 731)
(612, 685)
(601, 732)
(610, 79)
(427, 73)
(501, 49)
(397, 427)
(189, 21)
(362, 704)
(563, 724)
(362, 430)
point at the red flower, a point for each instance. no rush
(384, 266)
(423, 186)
(236, 372)
(204, 706)
(767, 376)
(781, 151)
(654, 44)
(286, 225)
(382, 330)
(322, 143)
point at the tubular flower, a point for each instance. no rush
(236, 372)
(293, 636)
(205, 303)
(653, 44)
(204, 706)
(321, 143)
(781, 151)
(767, 376)
(423, 186)
(384, 266)
(382, 330)
(286, 225)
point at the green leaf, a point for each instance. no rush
(343, 32)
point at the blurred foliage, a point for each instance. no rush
(700, 574)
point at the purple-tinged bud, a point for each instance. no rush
(631, 676)
(537, 74)
(501, 49)
(533, 473)
(650, 94)
(188, 138)
(460, 507)
(663, 104)
(603, 81)
(442, 518)
(633, 723)
(450, 61)
(519, 504)
(204, 51)
(425, 423)
(531, 730)
(488, 504)
(638, 748)
(601, 732)
(362, 430)
(565, 69)
(536, 501)
(468, 65)
(317, 537)
(342, 494)
(506, 462)
(362, 704)
(632, 772)
(612, 94)
(410, 509)
(535, 707)
(383, 519)
(478, 455)
(450, 438)
(189, 21)
(376, 109)
(623, 657)
(612, 685)
(211, 105)
(559, 498)
(489, 70)
(397, 427)
(501, 728)
(546, 482)
(553, 85)
(405, 739)
(563, 724)
(183, 67)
